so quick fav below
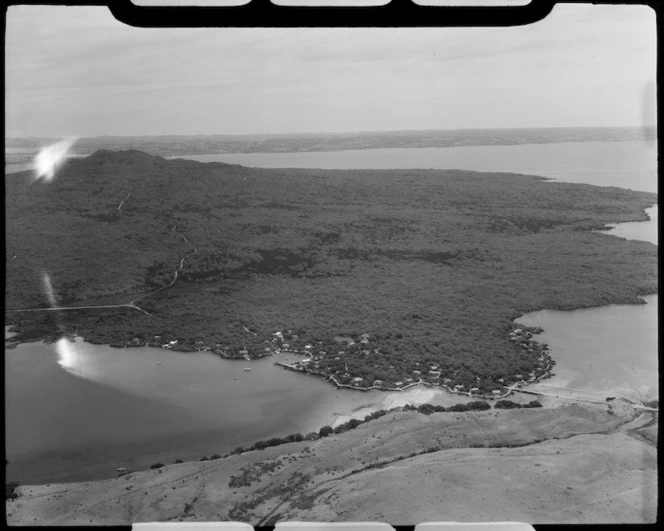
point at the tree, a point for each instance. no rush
(427, 409)
(354, 423)
(295, 437)
(478, 405)
(325, 431)
(506, 404)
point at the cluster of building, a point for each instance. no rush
(318, 359)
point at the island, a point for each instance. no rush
(380, 279)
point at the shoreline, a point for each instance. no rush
(419, 393)
(300, 366)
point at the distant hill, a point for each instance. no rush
(180, 145)
(432, 265)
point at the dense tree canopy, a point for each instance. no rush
(432, 265)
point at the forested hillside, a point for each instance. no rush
(432, 265)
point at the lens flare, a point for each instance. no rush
(48, 288)
(72, 358)
(49, 158)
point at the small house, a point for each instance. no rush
(398, 384)
(378, 382)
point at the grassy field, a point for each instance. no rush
(571, 464)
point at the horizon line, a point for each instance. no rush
(312, 133)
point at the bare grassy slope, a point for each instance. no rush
(403, 468)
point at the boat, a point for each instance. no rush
(247, 369)
(121, 469)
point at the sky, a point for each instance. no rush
(76, 71)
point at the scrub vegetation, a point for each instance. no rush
(379, 274)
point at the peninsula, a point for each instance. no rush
(383, 278)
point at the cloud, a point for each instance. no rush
(78, 71)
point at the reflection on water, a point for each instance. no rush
(70, 359)
(76, 411)
(78, 359)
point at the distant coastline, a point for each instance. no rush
(20, 150)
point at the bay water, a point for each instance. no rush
(630, 164)
(605, 351)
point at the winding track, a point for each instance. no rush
(131, 304)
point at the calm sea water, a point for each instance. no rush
(77, 411)
(630, 164)
(638, 230)
(610, 350)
